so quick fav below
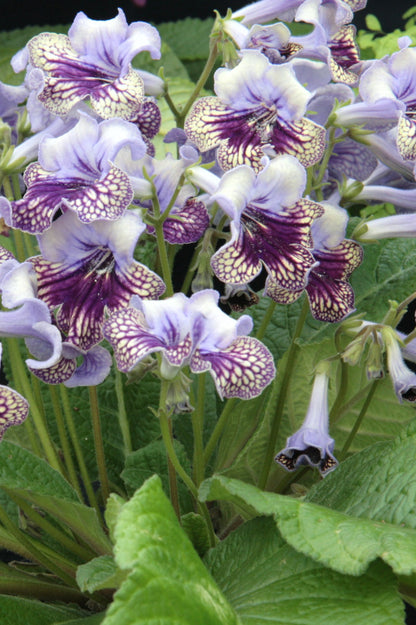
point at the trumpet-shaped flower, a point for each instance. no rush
(192, 332)
(259, 109)
(270, 225)
(87, 269)
(404, 380)
(76, 171)
(94, 62)
(311, 444)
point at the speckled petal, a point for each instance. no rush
(210, 124)
(13, 409)
(122, 98)
(406, 138)
(85, 290)
(186, 224)
(234, 262)
(148, 119)
(126, 331)
(241, 370)
(62, 371)
(303, 139)
(345, 54)
(103, 199)
(331, 297)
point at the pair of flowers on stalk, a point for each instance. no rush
(96, 188)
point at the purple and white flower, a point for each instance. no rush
(14, 408)
(331, 297)
(94, 62)
(311, 444)
(270, 225)
(403, 378)
(86, 270)
(259, 109)
(76, 171)
(194, 332)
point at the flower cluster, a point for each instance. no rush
(297, 129)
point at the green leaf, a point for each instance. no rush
(33, 478)
(378, 483)
(165, 571)
(18, 611)
(344, 543)
(113, 508)
(267, 581)
(188, 38)
(95, 619)
(99, 573)
(145, 462)
(172, 66)
(197, 531)
(21, 470)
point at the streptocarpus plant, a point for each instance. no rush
(205, 351)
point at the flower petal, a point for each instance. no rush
(241, 370)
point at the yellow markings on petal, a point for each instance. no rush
(406, 138)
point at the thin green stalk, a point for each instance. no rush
(266, 320)
(290, 363)
(36, 553)
(78, 450)
(170, 450)
(19, 373)
(197, 427)
(122, 414)
(343, 386)
(186, 285)
(98, 442)
(167, 434)
(217, 431)
(358, 420)
(41, 590)
(209, 65)
(51, 530)
(69, 463)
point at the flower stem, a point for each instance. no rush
(266, 320)
(219, 426)
(199, 85)
(168, 441)
(359, 419)
(284, 387)
(69, 463)
(197, 426)
(78, 451)
(98, 442)
(19, 373)
(122, 414)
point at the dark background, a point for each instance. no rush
(20, 13)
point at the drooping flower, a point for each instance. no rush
(259, 109)
(195, 332)
(311, 444)
(403, 378)
(94, 62)
(86, 270)
(76, 171)
(270, 225)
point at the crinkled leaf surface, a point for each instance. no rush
(145, 462)
(167, 579)
(377, 483)
(188, 38)
(268, 582)
(344, 543)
